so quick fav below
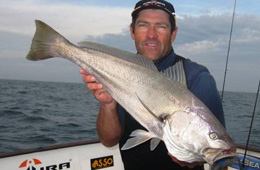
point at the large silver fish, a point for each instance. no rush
(165, 107)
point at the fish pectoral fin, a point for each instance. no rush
(154, 143)
(148, 109)
(138, 137)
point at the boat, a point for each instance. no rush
(91, 155)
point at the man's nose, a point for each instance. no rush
(151, 32)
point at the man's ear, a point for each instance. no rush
(174, 34)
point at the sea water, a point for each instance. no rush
(37, 114)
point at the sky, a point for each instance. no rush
(203, 36)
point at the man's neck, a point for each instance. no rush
(162, 58)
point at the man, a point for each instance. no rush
(153, 29)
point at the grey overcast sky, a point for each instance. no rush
(203, 36)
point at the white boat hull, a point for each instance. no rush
(88, 155)
(77, 156)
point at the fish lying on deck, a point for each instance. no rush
(165, 107)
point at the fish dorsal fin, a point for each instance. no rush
(125, 55)
(176, 72)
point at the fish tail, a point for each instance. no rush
(45, 42)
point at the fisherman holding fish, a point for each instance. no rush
(153, 29)
(154, 103)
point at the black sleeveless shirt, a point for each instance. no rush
(141, 157)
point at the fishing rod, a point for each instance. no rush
(223, 87)
(251, 125)
(229, 44)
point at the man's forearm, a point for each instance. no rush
(108, 124)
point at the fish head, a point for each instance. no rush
(195, 135)
(219, 145)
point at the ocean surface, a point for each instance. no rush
(37, 114)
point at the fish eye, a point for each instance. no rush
(213, 136)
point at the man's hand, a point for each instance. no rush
(185, 164)
(96, 88)
(108, 123)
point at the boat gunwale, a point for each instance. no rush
(250, 148)
(47, 148)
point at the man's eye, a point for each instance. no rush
(162, 26)
(142, 25)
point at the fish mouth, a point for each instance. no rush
(213, 155)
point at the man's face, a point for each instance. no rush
(152, 34)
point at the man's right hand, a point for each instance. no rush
(108, 123)
(96, 88)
